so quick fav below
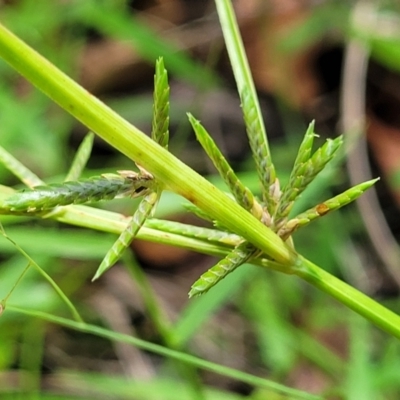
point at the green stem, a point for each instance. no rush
(162, 323)
(176, 175)
(46, 276)
(163, 351)
(136, 145)
(351, 297)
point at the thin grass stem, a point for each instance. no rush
(61, 294)
(169, 353)
(24, 174)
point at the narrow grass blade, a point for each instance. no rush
(304, 173)
(63, 297)
(160, 124)
(183, 357)
(81, 158)
(234, 259)
(324, 208)
(18, 169)
(144, 210)
(241, 193)
(104, 187)
(3, 301)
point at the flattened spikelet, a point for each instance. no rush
(105, 187)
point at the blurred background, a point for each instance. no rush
(333, 62)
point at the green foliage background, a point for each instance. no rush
(287, 321)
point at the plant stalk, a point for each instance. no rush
(178, 177)
(130, 141)
(379, 315)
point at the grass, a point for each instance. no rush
(287, 322)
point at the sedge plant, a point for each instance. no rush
(262, 227)
(247, 229)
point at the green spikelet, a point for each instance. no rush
(104, 187)
(324, 208)
(160, 124)
(160, 134)
(206, 234)
(241, 193)
(144, 210)
(234, 259)
(304, 171)
(260, 148)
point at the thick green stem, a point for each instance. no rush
(134, 144)
(351, 297)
